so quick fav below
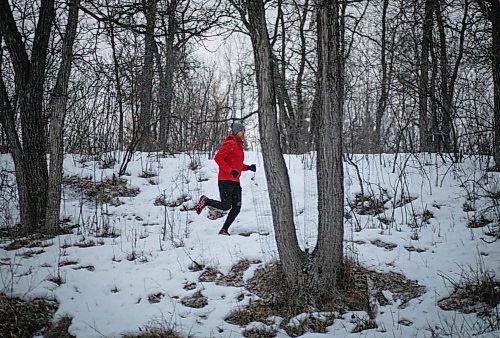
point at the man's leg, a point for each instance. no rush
(235, 206)
(225, 191)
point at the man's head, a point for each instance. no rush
(237, 128)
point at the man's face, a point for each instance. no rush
(241, 134)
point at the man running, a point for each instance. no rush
(230, 159)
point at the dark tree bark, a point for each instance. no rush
(167, 75)
(118, 84)
(310, 275)
(495, 21)
(146, 90)
(57, 106)
(444, 130)
(491, 10)
(28, 150)
(301, 107)
(328, 254)
(423, 87)
(447, 139)
(274, 163)
(384, 85)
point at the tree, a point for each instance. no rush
(384, 85)
(57, 106)
(328, 254)
(491, 10)
(28, 149)
(274, 164)
(307, 274)
(167, 74)
(118, 84)
(448, 79)
(423, 87)
(146, 89)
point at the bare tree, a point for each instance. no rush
(146, 89)
(28, 149)
(328, 254)
(447, 139)
(167, 73)
(58, 113)
(118, 84)
(491, 10)
(309, 274)
(384, 85)
(423, 88)
(274, 163)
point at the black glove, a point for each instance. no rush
(252, 167)
(234, 173)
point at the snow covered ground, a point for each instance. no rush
(130, 262)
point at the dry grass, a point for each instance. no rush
(367, 205)
(196, 301)
(479, 222)
(59, 329)
(472, 296)
(155, 329)
(153, 333)
(106, 191)
(19, 318)
(275, 299)
(15, 240)
(478, 292)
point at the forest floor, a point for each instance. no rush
(421, 243)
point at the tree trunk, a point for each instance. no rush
(491, 10)
(423, 87)
(495, 21)
(58, 113)
(302, 130)
(328, 254)
(444, 129)
(274, 164)
(384, 90)
(146, 90)
(28, 151)
(167, 78)
(118, 84)
(447, 138)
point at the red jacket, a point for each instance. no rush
(230, 157)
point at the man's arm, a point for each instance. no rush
(220, 157)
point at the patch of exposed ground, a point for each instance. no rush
(367, 205)
(233, 278)
(382, 244)
(276, 300)
(479, 222)
(154, 330)
(480, 295)
(106, 191)
(19, 318)
(473, 296)
(196, 300)
(405, 199)
(162, 200)
(13, 240)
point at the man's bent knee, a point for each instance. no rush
(226, 206)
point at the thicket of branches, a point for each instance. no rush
(418, 76)
(190, 99)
